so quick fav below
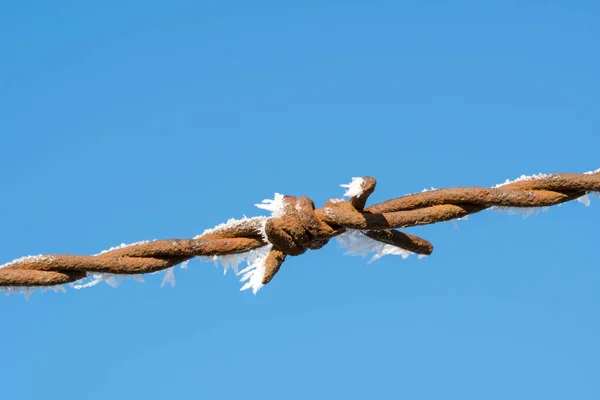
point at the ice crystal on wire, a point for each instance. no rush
(455, 221)
(254, 272)
(275, 205)
(94, 278)
(121, 246)
(329, 212)
(55, 288)
(336, 201)
(228, 261)
(112, 280)
(27, 291)
(585, 199)
(354, 188)
(529, 211)
(524, 178)
(524, 211)
(24, 259)
(358, 244)
(169, 277)
(232, 223)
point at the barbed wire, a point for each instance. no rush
(296, 226)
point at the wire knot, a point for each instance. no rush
(299, 229)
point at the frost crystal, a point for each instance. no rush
(329, 212)
(169, 277)
(21, 260)
(113, 280)
(232, 223)
(55, 289)
(95, 278)
(275, 206)
(455, 223)
(229, 261)
(335, 201)
(523, 178)
(122, 245)
(585, 199)
(358, 244)
(354, 188)
(254, 273)
(26, 291)
(525, 211)
(529, 211)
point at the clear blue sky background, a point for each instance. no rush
(125, 121)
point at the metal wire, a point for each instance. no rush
(300, 227)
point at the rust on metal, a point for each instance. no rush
(302, 227)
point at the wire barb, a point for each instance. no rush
(296, 226)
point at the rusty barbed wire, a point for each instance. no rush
(297, 226)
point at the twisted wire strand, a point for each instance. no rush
(297, 227)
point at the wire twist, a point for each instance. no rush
(299, 227)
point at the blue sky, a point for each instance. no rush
(126, 121)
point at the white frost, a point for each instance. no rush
(169, 277)
(113, 280)
(358, 244)
(122, 245)
(254, 273)
(232, 223)
(455, 223)
(524, 178)
(26, 291)
(275, 206)
(24, 259)
(336, 201)
(529, 211)
(55, 288)
(525, 211)
(329, 212)
(229, 261)
(585, 199)
(354, 188)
